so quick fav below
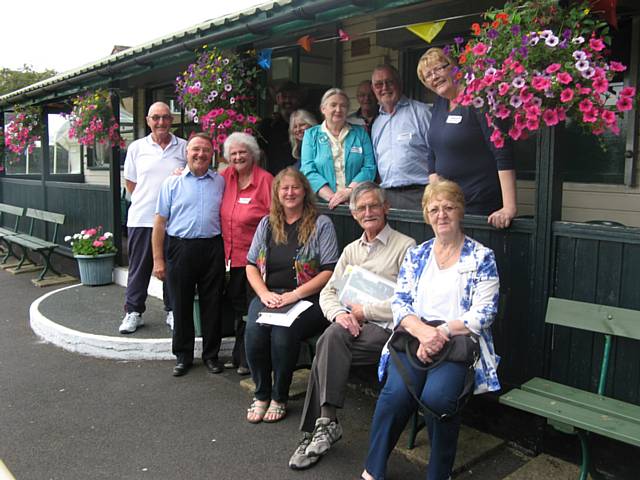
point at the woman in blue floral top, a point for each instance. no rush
(292, 256)
(450, 278)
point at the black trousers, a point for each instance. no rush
(238, 293)
(195, 263)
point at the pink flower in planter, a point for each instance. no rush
(91, 231)
(600, 85)
(564, 78)
(554, 67)
(98, 243)
(590, 116)
(608, 116)
(503, 88)
(550, 117)
(585, 105)
(596, 44)
(624, 104)
(479, 49)
(617, 66)
(628, 92)
(497, 138)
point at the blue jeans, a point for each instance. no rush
(439, 389)
(275, 349)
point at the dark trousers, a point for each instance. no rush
(237, 294)
(407, 198)
(275, 349)
(195, 263)
(140, 269)
(336, 352)
(439, 389)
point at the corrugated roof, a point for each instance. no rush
(148, 47)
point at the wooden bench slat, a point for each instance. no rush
(616, 321)
(46, 216)
(580, 417)
(5, 232)
(592, 401)
(33, 243)
(11, 209)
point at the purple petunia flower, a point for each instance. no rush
(579, 55)
(588, 72)
(582, 65)
(563, 44)
(478, 102)
(515, 101)
(492, 34)
(523, 51)
(447, 49)
(525, 40)
(515, 29)
(458, 40)
(552, 41)
(518, 82)
(566, 34)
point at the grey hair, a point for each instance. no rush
(245, 139)
(389, 68)
(158, 104)
(363, 188)
(306, 117)
(334, 91)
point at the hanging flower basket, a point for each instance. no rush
(535, 63)
(218, 92)
(22, 132)
(92, 120)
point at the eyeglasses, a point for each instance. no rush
(384, 83)
(157, 118)
(435, 71)
(447, 209)
(371, 206)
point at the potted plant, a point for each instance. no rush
(94, 250)
(535, 63)
(92, 120)
(22, 132)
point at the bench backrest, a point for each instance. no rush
(610, 321)
(11, 210)
(619, 322)
(56, 218)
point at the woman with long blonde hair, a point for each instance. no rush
(292, 257)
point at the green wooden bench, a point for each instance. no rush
(17, 212)
(575, 411)
(27, 242)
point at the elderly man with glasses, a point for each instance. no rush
(399, 137)
(150, 160)
(358, 332)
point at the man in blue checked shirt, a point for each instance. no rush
(188, 212)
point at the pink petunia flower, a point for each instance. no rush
(479, 49)
(628, 92)
(503, 88)
(540, 83)
(596, 44)
(553, 68)
(617, 66)
(585, 105)
(497, 138)
(515, 132)
(624, 104)
(608, 116)
(98, 243)
(566, 95)
(550, 117)
(600, 85)
(564, 78)
(533, 124)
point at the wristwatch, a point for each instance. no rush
(444, 327)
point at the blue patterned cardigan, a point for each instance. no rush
(478, 290)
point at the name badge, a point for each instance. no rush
(356, 149)
(405, 136)
(244, 200)
(454, 119)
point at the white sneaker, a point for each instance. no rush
(169, 319)
(131, 322)
(325, 434)
(300, 460)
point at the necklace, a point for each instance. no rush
(442, 262)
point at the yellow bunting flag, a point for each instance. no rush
(427, 31)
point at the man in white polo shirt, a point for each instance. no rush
(150, 160)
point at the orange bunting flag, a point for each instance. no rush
(305, 42)
(343, 36)
(426, 31)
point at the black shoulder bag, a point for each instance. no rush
(460, 348)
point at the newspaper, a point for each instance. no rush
(283, 316)
(360, 286)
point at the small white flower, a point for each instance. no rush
(546, 34)
(77, 236)
(582, 65)
(534, 40)
(228, 87)
(108, 234)
(579, 55)
(518, 82)
(232, 100)
(219, 81)
(67, 238)
(515, 101)
(86, 237)
(588, 73)
(490, 71)
(195, 119)
(577, 40)
(478, 102)
(552, 41)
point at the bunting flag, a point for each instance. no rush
(343, 36)
(264, 58)
(305, 42)
(608, 10)
(426, 31)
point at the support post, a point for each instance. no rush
(114, 182)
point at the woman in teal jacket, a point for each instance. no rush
(336, 156)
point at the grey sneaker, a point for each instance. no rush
(325, 434)
(169, 319)
(300, 460)
(131, 322)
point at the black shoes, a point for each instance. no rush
(214, 366)
(181, 369)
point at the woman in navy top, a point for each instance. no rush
(460, 148)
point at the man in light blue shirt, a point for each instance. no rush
(399, 137)
(188, 212)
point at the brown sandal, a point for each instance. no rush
(278, 410)
(257, 411)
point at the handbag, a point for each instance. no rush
(460, 348)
